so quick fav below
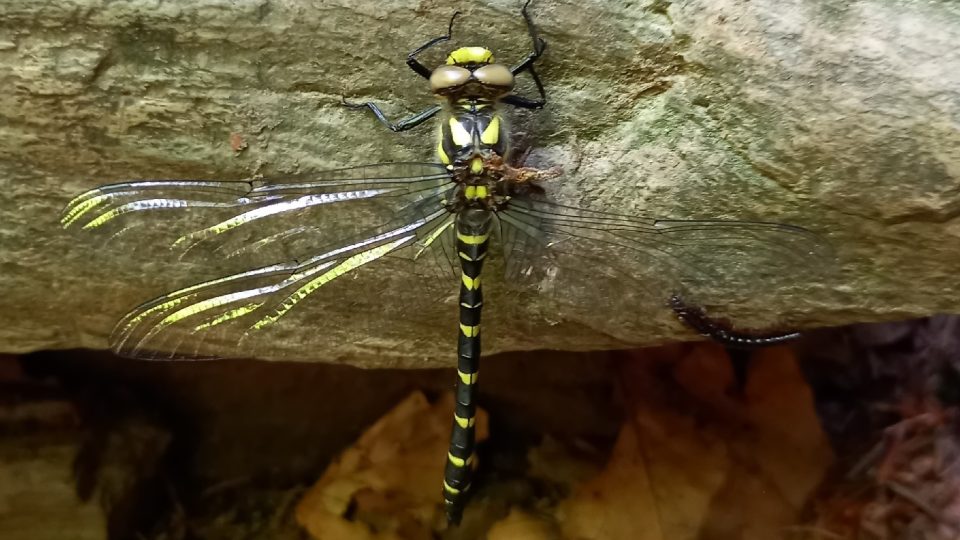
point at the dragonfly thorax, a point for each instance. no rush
(471, 84)
(471, 128)
(488, 183)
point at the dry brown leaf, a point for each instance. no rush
(389, 479)
(693, 463)
(520, 525)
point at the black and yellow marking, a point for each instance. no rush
(491, 134)
(472, 147)
(470, 129)
(473, 232)
(470, 55)
(442, 154)
(476, 193)
(472, 86)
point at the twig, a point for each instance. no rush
(909, 495)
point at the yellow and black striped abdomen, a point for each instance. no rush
(473, 231)
(471, 129)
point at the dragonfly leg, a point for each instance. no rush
(539, 45)
(400, 125)
(527, 103)
(415, 64)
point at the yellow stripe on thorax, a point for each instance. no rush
(444, 158)
(459, 134)
(491, 134)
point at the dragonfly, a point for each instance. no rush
(303, 232)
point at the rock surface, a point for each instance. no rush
(41, 437)
(839, 117)
(38, 497)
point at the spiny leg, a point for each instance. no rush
(472, 241)
(415, 64)
(421, 117)
(400, 125)
(539, 46)
(525, 102)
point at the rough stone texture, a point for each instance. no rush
(40, 438)
(38, 498)
(839, 116)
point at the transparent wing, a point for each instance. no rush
(619, 270)
(262, 219)
(225, 316)
(278, 240)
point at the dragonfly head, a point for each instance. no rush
(471, 72)
(470, 56)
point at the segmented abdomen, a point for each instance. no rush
(473, 230)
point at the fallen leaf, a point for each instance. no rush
(388, 484)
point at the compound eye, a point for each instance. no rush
(446, 77)
(494, 75)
